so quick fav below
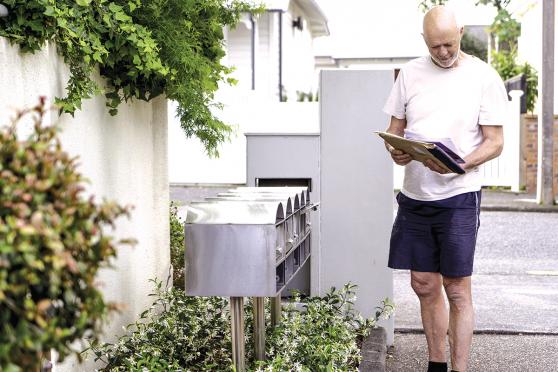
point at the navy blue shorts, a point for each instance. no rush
(436, 236)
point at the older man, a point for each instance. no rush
(452, 97)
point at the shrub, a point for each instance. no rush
(52, 244)
(505, 62)
(177, 329)
(326, 335)
(177, 248)
(194, 334)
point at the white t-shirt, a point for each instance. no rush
(446, 103)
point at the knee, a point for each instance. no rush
(458, 292)
(425, 288)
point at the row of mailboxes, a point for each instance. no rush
(247, 241)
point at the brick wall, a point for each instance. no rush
(529, 148)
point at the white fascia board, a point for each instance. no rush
(316, 17)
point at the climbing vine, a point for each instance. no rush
(144, 48)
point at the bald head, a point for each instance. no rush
(439, 19)
(442, 35)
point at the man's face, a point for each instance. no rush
(444, 46)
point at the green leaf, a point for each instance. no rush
(83, 2)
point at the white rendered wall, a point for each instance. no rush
(125, 159)
(356, 178)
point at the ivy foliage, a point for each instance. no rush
(190, 36)
(144, 48)
(52, 244)
(187, 333)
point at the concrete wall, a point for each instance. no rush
(356, 186)
(124, 157)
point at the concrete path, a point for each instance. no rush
(490, 353)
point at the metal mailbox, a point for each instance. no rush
(247, 242)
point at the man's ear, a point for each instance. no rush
(461, 31)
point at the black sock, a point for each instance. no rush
(437, 367)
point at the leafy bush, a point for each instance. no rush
(194, 333)
(52, 245)
(143, 48)
(505, 63)
(87, 33)
(177, 329)
(471, 45)
(177, 248)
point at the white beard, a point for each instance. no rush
(447, 64)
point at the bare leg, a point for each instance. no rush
(461, 320)
(428, 288)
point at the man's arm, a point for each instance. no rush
(397, 127)
(490, 148)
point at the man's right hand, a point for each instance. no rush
(399, 157)
(397, 127)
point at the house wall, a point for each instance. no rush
(239, 52)
(125, 159)
(297, 54)
(298, 58)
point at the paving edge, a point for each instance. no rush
(512, 208)
(373, 351)
(486, 331)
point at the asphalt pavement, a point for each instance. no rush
(515, 292)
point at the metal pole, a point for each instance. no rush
(280, 15)
(513, 140)
(259, 327)
(276, 310)
(545, 189)
(237, 330)
(253, 50)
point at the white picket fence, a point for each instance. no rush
(504, 170)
